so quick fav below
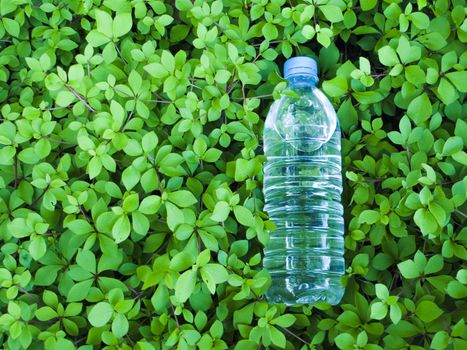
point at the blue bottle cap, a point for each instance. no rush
(301, 65)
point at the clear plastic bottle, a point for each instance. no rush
(302, 189)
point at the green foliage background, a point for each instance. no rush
(130, 178)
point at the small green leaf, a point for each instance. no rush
(182, 198)
(121, 229)
(221, 211)
(379, 310)
(150, 205)
(408, 269)
(420, 109)
(121, 24)
(428, 311)
(100, 314)
(120, 325)
(332, 13)
(388, 56)
(185, 285)
(244, 216)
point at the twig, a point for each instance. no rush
(409, 156)
(126, 121)
(39, 197)
(16, 171)
(56, 141)
(175, 316)
(84, 214)
(56, 108)
(296, 336)
(158, 101)
(243, 98)
(461, 213)
(193, 85)
(120, 54)
(22, 290)
(79, 97)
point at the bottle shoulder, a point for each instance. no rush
(313, 98)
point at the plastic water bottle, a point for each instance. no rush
(302, 190)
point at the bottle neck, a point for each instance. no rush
(302, 81)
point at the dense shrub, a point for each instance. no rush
(130, 178)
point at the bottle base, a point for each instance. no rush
(304, 289)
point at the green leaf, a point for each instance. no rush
(185, 285)
(458, 80)
(65, 98)
(277, 337)
(434, 264)
(388, 56)
(420, 20)
(420, 109)
(37, 247)
(324, 38)
(174, 216)
(248, 73)
(347, 114)
(212, 155)
(381, 291)
(284, 320)
(369, 217)
(440, 340)
(408, 269)
(100, 314)
(379, 310)
(221, 211)
(395, 313)
(453, 145)
(367, 5)
(415, 74)
(269, 31)
(336, 87)
(150, 205)
(11, 26)
(46, 313)
(104, 23)
(433, 41)
(149, 141)
(344, 341)
(428, 311)
(121, 229)
(456, 290)
(244, 216)
(182, 198)
(181, 261)
(130, 177)
(426, 221)
(308, 31)
(121, 24)
(332, 13)
(217, 272)
(120, 325)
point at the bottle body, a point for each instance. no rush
(302, 190)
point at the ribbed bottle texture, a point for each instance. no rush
(302, 189)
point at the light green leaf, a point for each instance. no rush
(120, 325)
(244, 216)
(182, 198)
(221, 211)
(121, 24)
(100, 314)
(388, 56)
(428, 311)
(332, 13)
(185, 285)
(121, 229)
